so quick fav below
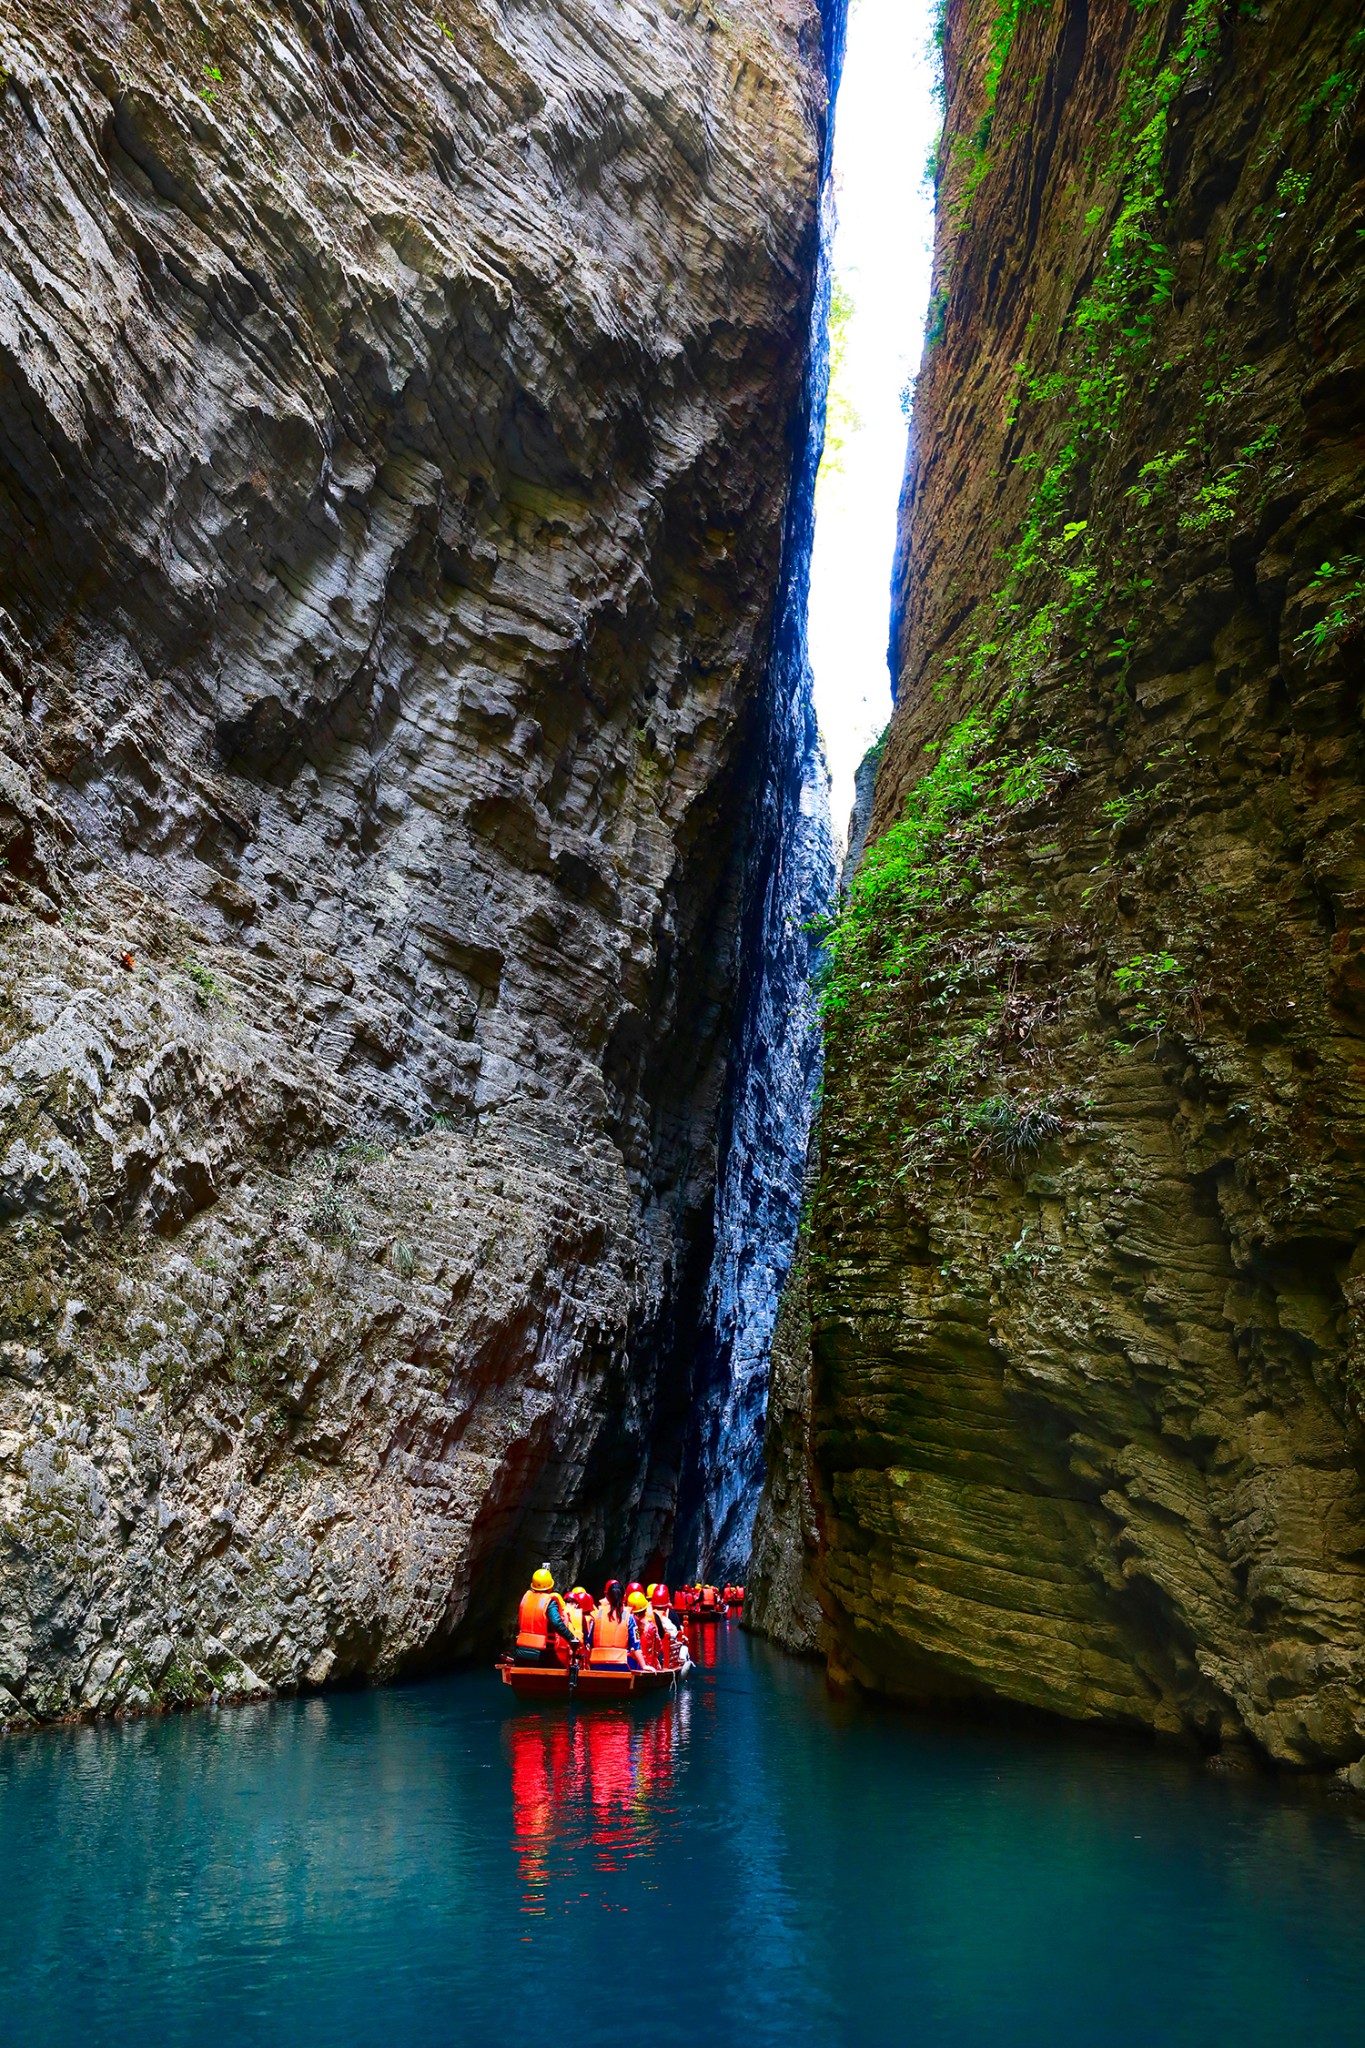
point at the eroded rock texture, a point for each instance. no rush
(775, 1063)
(783, 1592)
(394, 431)
(1087, 1262)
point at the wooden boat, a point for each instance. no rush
(551, 1682)
(704, 1614)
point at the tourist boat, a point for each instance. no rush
(705, 1614)
(551, 1682)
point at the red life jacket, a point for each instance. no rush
(610, 1641)
(532, 1634)
(649, 1640)
(708, 1597)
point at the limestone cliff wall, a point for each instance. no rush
(1086, 1260)
(396, 422)
(775, 1064)
(784, 1585)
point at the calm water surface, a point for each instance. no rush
(750, 1862)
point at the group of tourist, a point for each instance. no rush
(703, 1599)
(630, 1628)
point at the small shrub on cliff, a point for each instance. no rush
(330, 1219)
(208, 990)
(1345, 612)
(1156, 983)
(1009, 1132)
(403, 1259)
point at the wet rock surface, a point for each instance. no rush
(392, 483)
(783, 1593)
(1084, 1268)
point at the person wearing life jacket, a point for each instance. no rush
(672, 1643)
(615, 1637)
(657, 1596)
(647, 1627)
(710, 1599)
(573, 1614)
(682, 1599)
(542, 1624)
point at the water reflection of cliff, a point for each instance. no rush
(599, 1783)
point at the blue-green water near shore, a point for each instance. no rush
(752, 1862)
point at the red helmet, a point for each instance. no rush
(634, 1587)
(661, 1597)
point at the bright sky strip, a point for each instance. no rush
(887, 122)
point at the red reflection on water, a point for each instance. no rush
(704, 1638)
(592, 1779)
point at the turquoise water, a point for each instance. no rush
(751, 1863)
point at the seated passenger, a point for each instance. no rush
(615, 1638)
(648, 1629)
(542, 1624)
(573, 1614)
(672, 1650)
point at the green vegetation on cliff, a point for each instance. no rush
(1087, 1256)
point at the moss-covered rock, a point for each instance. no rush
(1086, 1259)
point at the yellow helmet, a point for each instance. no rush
(637, 1602)
(543, 1580)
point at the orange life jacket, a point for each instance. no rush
(532, 1634)
(649, 1639)
(708, 1598)
(610, 1640)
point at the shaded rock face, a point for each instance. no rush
(774, 1074)
(783, 1590)
(393, 488)
(784, 1577)
(775, 1062)
(1085, 1268)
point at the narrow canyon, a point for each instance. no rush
(454, 1111)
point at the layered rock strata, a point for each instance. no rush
(775, 1067)
(784, 1592)
(395, 436)
(1086, 1261)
